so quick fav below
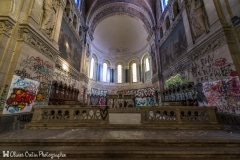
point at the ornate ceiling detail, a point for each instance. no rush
(119, 8)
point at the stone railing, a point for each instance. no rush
(171, 117)
(68, 116)
(182, 116)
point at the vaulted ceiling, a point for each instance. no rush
(120, 26)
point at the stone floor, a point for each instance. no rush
(170, 141)
(140, 134)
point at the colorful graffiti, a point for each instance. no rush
(225, 94)
(173, 81)
(42, 96)
(21, 95)
(98, 97)
(210, 68)
(40, 70)
(143, 96)
(174, 46)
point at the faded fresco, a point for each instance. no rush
(174, 46)
(69, 46)
(21, 95)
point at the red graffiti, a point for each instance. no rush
(233, 73)
(220, 62)
(20, 98)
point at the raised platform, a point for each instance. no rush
(124, 144)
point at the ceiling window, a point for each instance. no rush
(92, 65)
(134, 72)
(164, 4)
(119, 73)
(105, 66)
(77, 2)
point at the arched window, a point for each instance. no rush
(147, 65)
(92, 66)
(146, 68)
(119, 73)
(104, 73)
(134, 72)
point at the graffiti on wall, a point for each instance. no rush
(60, 76)
(42, 96)
(225, 94)
(40, 70)
(211, 68)
(70, 48)
(173, 81)
(174, 46)
(21, 95)
(98, 97)
(143, 96)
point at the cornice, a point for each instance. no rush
(27, 34)
(6, 25)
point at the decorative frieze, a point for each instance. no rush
(6, 27)
(209, 46)
(36, 41)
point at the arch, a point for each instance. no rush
(67, 8)
(105, 71)
(119, 9)
(167, 22)
(93, 67)
(146, 67)
(175, 9)
(75, 21)
(133, 67)
(119, 69)
(80, 31)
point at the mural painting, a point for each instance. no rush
(143, 96)
(35, 68)
(21, 95)
(225, 94)
(69, 46)
(98, 97)
(174, 46)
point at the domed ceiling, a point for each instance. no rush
(120, 27)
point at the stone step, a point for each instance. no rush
(124, 144)
(127, 148)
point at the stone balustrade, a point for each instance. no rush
(184, 117)
(68, 116)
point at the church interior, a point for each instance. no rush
(120, 79)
